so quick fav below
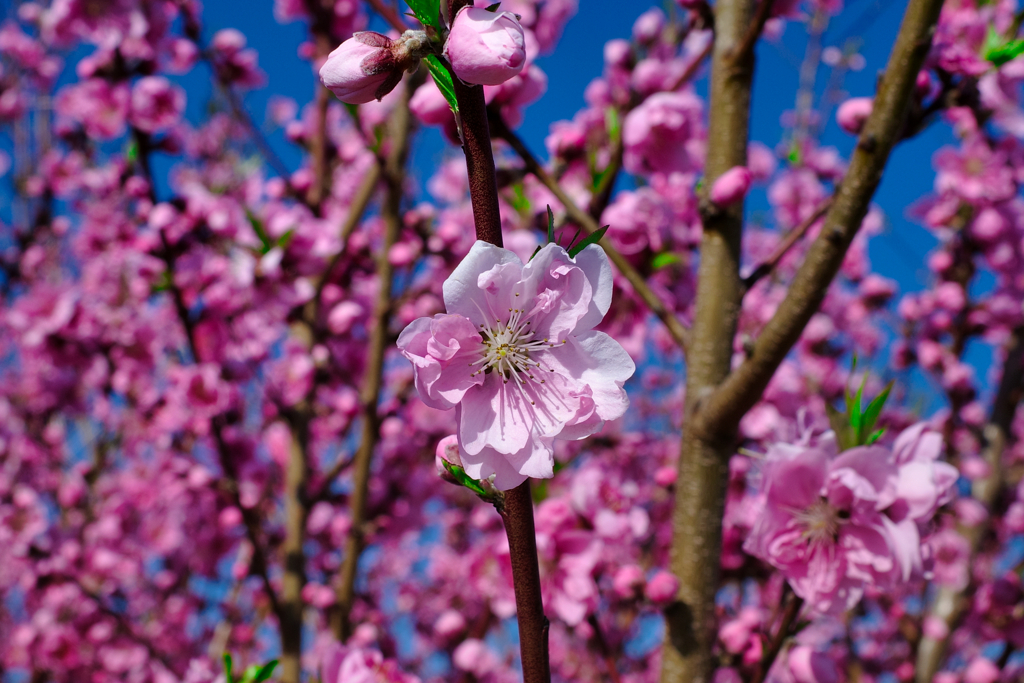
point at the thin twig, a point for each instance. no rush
(793, 607)
(584, 220)
(399, 130)
(791, 238)
(602, 647)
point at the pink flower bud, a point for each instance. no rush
(362, 69)
(731, 186)
(665, 476)
(485, 48)
(981, 670)
(447, 451)
(662, 587)
(853, 113)
(627, 581)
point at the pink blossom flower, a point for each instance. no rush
(156, 104)
(518, 355)
(664, 134)
(834, 523)
(485, 48)
(923, 483)
(853, 113)
(731, 186)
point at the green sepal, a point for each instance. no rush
(427, 12)
(443, 80)
(592, 238)
(665, 259)
(463, 479)
(840, 423)
(492, 8)
(551, 225)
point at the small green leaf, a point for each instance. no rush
(227, 668)
(665, 259)
(535, 252)
(874, 410)
(464, 479)
(132, 153)
(875, 436)
(265, 672)
(551, 225)
(443, 80)
(1000, 51)
(492, 8)
(428, 12)
(592, 238)
(841, 426)
(286, 238)
(854, 409)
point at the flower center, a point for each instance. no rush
(821, 522)
(507, 347)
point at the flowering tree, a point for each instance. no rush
(579, 418)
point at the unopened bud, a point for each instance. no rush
(369, 65)
(853, 113)
(485, 48)
(731, 186)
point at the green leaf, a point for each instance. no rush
(464, 479)
(551, 225)
(492, 8)
(443, 80)
(132, 153)
(875, 436)
(873, 411)
(1000, 51)
(841, 426)
(856, 416)
(428, 12)
(592, 238)
(265, 671)
(257, 227)
(535, 252)
(227, 668)
(665, 259)
(286, 238)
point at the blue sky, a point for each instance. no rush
(899, 253)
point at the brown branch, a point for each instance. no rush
(259, 564)
(294, 579)
(389, 15)
(793, 607)
(517, 514)
(399, 130)
(360, 202)
(602, 647)
(584, 220)
(950, 604)
(690, 633)
(746, 47)
(791, 238)
(721, 411)
(517, 509)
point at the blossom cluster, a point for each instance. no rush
(188, 367)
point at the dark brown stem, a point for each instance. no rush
(703, 463)
(791, 238)
(583, 219)
(793, 607)
(399, 129)
(517, 510)
(517, 514)
(746, 48)
(602, 647)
